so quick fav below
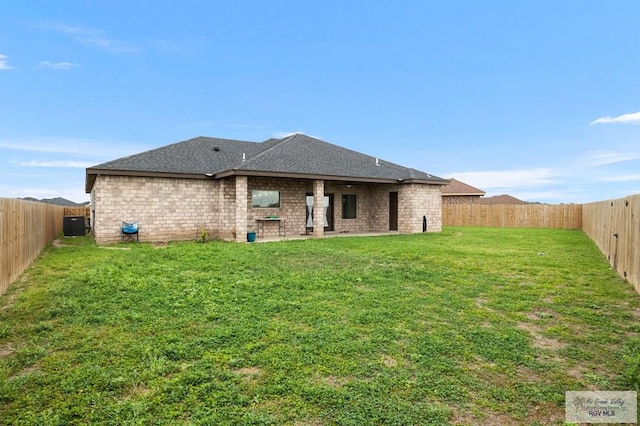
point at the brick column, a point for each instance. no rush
(241, 208)
(416, 201)
(318, 208)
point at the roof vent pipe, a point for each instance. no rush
(377, 162)
(243, 157)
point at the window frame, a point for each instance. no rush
(349, 202)
(264, 192)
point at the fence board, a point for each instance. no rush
(77, 211)
(26, 227)
(561, 216)
(614, 226)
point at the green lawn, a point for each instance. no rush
(469, 326)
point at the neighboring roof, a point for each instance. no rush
(457, 187)
(501, 199)
(57, 201)
(297, 155)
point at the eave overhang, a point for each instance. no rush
(92, 174)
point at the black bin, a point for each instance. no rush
(73, 226)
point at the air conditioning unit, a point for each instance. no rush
(73, 226)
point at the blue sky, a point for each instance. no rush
(537, 99)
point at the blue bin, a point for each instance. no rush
(251, 237)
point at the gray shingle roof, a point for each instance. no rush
(297, 154)
(193, 156)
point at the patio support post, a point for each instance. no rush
(318, 208)
(242, 195)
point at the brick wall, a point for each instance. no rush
(176, 209)
(165, 208)
(292, 204)
(226, 222)
(416, 201)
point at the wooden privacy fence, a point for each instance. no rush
(562, 216)
(614, 226)
(77, 211)
(26, 227)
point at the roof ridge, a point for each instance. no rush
(262, 153)
(275, 143)
(294, 136)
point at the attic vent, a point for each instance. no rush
(216, 148)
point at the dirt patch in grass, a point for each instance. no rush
(480, 302)
(539, 340)
(389, 362)
(541, 315)
(11, 299)
(527, 375)
(586, 376)
(6, 351)
(249, 375)
(547, 414)
(577, 372)
(309, 423)
(332, 381)
(32, 369)
(314, 422)
(365, 288)
(137, 391)
(248, 371)
(461, 418)
(16, 288)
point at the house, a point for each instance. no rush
(457, 192)
(502, 199)
(280, 187)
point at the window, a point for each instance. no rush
(265, 199)
(349, 206)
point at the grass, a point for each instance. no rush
(469, 326)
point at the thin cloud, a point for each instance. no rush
(507, 179)
(604, 158)
(43, 192)
(633, 118)
(622, 178)
(93, 38)
(541, 195)
(4, 63)
(113, 46)
(54, 164)
(94, 148)
(66, 66)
